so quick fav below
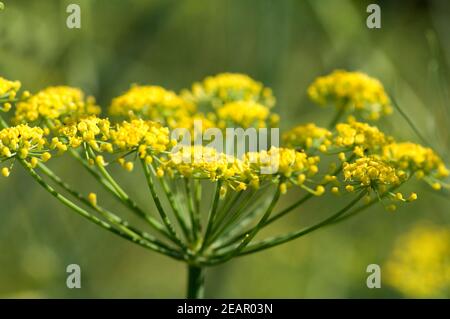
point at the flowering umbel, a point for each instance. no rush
(354, 91)
(243, 189)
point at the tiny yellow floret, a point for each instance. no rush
(92, 197)
(5, 171)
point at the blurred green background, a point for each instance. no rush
(285, 44)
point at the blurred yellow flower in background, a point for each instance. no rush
(152, 102)
(352, 91)
(229, 87)
(8, 88)
(244, 113)
(419, 265)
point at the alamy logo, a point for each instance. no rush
(73, 20)
(74, 279)
(374, 19)
(374, 279)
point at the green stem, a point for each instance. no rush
(304, 198)
(3, 123)
(128, 202)
(224, 212)
(246, 213)
(212, 214)
(278, 240)
(336, 118)
(197, 194)
(94, 219)
(194, 215)
(409, 121)
(365, 206)
(196, 282)
(111, 217)
(159, 206)
(123, 195)
(176, 209)
(94, 173)
(252, 232)
(289, 209)
(229, 227)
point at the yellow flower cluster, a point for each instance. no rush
(419, 266)
(365, 140)
(90, 130)
(252, 170)
(154, 103)
(243, 114)
(371, 172)
(8, 89)
(354, 91)
(307, 136)
(238, 101)
(58, 103)
(144, 136)
(206, 163)
(416, 158)
(25, 142)
(361, 137)
(228, 87)
(286, 161)
(292, 166)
